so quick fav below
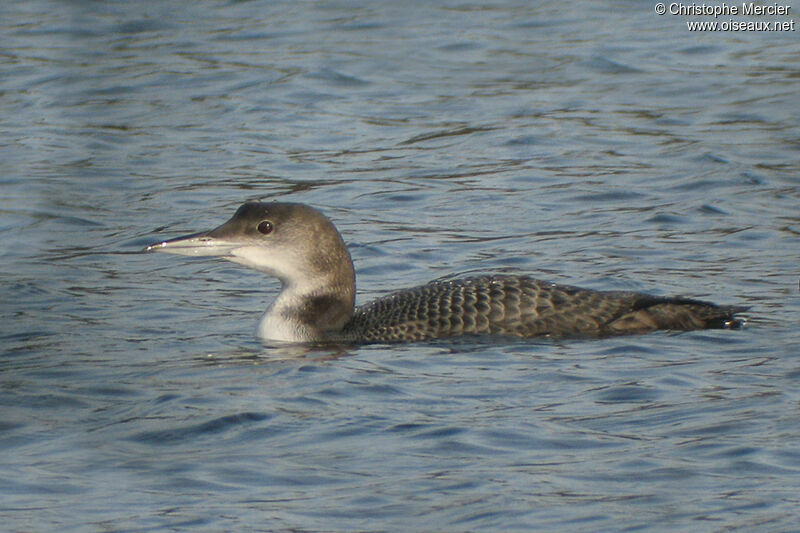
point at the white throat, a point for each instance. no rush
(286, 319)
(279, 322)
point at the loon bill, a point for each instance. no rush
(303, 249)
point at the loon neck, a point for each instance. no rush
(310, 309)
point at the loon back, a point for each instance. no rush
(303, 249)
(520, 306)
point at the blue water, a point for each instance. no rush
(594, 143)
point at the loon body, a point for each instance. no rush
(303, 249)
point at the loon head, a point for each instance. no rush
(294, 243)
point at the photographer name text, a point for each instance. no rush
(725, 10)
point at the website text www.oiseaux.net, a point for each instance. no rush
(747, 9)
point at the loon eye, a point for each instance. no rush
(265, 227)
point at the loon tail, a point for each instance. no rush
(651, 313)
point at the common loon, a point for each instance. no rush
(303, 249)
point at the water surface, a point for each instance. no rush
(597, 144)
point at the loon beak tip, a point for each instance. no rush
(154, 247)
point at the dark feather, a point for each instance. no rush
(520, 306)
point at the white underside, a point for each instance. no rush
(273, 327)
(278, 322)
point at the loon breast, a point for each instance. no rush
(303, 249)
